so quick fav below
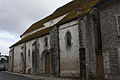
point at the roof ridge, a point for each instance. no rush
(55, 12)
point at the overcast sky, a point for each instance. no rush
(17, 15)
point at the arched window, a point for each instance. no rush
(68, 38)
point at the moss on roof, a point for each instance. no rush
(33, 36)
(85, 9)
(73, 14)
(70, 8)
(61, 11)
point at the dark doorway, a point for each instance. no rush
(22, 63)
(34, 61)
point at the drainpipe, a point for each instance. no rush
(58, 46)
(84, 43)
(25, 57)
(86, 52)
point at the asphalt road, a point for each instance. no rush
(7, 76)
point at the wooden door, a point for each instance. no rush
(100, 67)
(47, 63)
(82, 63)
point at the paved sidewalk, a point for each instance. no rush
(7, 76)
(36, 77)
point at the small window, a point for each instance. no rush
(21, 54)
(34, 43)
(119, 20)
(46, 42)
(68, 38)
(118, 24)
(22, 47)
(29, 52)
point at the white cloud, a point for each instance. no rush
(17, 15)
(4, 46)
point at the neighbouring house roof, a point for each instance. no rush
(33, 36)
(72, 7)
(3, 57)
(61, 11)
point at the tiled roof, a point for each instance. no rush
(73, 15)
(33, 36)
(84, 9)
(61, 11)
(71, 7)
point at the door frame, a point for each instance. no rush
(43, 57)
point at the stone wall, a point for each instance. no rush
(29, 56)
(39, 51)
(110, 39)
(11, 60)
(69, 55)
(106, 64)
(89, 34)
(22, 56)
(90, 41)
(17, 59)
(42, 49)
(54, 51)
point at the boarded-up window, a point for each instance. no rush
(118, 23)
